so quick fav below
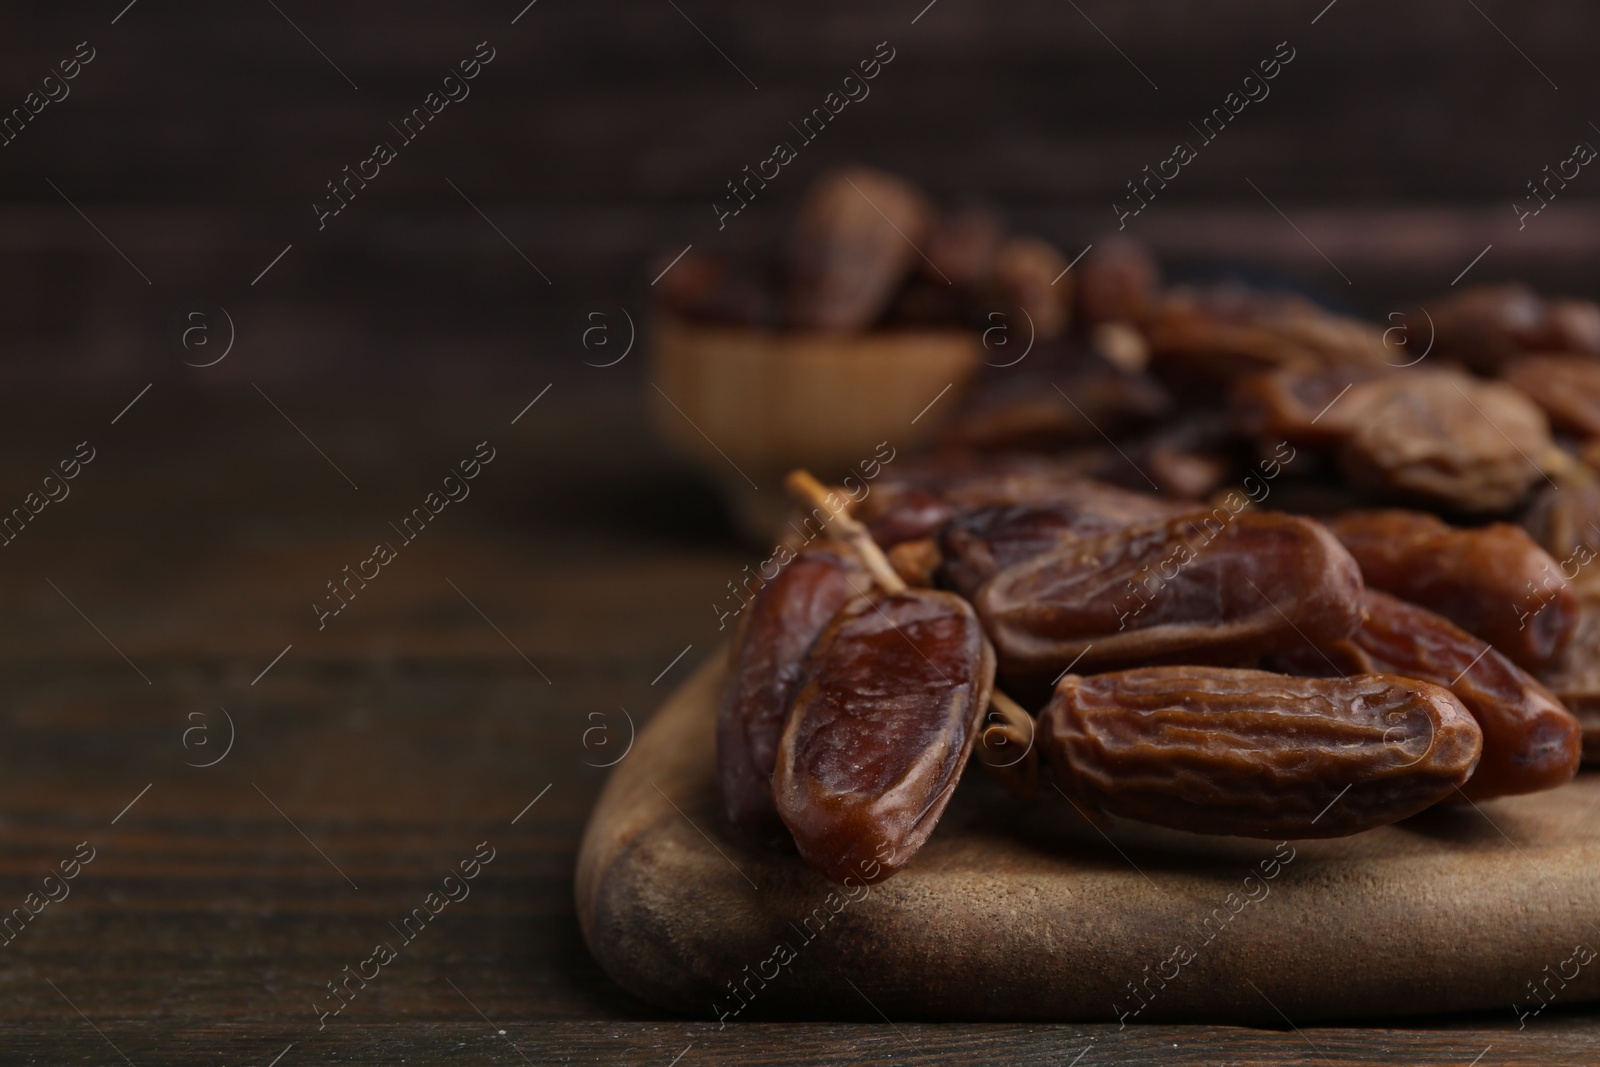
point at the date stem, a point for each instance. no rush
(1016, 727)
(804, 487)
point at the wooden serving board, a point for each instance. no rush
(1020, 910)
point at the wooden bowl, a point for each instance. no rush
(748, 405)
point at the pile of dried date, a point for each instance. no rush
(869, 250)
(1346, 577)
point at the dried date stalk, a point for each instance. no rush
(1007, 746)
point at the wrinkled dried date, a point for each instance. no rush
(1207, 588)
(1319, 406)
(1449, 439)
(1530, 741)
(980, 543)
(1575, 676)
(882, 721)
(1245, 752)
(1228, 331)
(917, 506)
(779, 626)
(1493, 581)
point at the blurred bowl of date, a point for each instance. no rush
(772, 400)
(857, 339)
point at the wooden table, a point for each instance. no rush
(453, 702)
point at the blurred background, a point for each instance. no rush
(200, 135)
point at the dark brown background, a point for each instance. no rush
(407, 331)
(201, 133)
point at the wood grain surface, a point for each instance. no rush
(386, 746)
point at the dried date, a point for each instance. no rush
(1566, 387)
(1530, 741)
(979, 543)
(1483, 326)
(1493, 581)
(1575, 676)
(1047, 403)
(1229, 331)
(1223, 751)
(1025, 269)
(1448, 439)
(1316, 407)
(1565, 521)
(917, 505)
(916, 562)
(1119, 282)
(778, 628)
(1209, 587)
(852, 246)
(885, 714)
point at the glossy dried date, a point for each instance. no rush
(1209, 587)
(1493, 581)
(918, 505)
(778, 628)
(886, 712)
(1220, 751)
(1530, 741)
(979, 543)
